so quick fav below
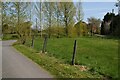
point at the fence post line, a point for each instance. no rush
(32, 41)
(74, 52)
(44, 44)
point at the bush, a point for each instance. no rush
(10, 36)
(23, 31)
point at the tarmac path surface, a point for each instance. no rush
(16, 65)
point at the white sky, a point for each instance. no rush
(59, 0)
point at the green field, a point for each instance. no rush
(100, 55)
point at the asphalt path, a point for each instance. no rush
(16, 65)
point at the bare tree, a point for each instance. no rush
(20, 9)
(57, 16)
(79, 17)
(29, 13)
(79, 12)
(38, 8)
(48, 12)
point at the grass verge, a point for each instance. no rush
(99, 54)
(53, 65)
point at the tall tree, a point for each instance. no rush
(20, 10)
(79, 12)
(79, 17)
(2, 16)
(38, 8)
(57, 16)
(29, 14)
(68, 11)
(94, 25)
(4, 9)
(107, 26)
(48, 12)
(7, 17)
(115, 26)
(29, 8)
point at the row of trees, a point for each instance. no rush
(47, 15)
(46, 18)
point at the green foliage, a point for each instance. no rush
(72, 32)
(81, 29)
(23, 31)
(10, 36)
(56, 31)
(68, 11)
(6, 29)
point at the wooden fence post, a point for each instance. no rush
(44, 45)
(74, 52)
(32, 41)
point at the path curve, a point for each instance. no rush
(15, 65)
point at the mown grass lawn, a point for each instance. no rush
(100, 55)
